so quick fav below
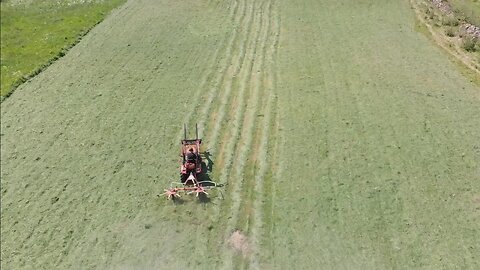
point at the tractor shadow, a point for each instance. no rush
(203, 198)
(207, 167)
(178, 201)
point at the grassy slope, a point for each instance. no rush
(35, 33)
(381, 138)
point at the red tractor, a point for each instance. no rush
(191, 169)
(191, 163)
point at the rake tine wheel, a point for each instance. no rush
(198, 190)
(171, 194)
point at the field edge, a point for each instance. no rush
(463, 61)
(63, 51)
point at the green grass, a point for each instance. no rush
(469, 9)
(381, 135)
(38, 32)
(345, 138)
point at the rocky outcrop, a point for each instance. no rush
(467, 28)
(471, 29)
(443, 6)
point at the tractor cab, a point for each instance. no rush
(191, 163)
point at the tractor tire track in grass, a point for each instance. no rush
(219, 119)
(212, 99)
(241, 179)
(254, 168)
(232, 147)
(268, 153)
(247, 134)
(219, 64)
(218, 116)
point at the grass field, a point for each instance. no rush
(37, 32)
(345, 140)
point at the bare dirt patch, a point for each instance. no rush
(239, 242)
(476, 200)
